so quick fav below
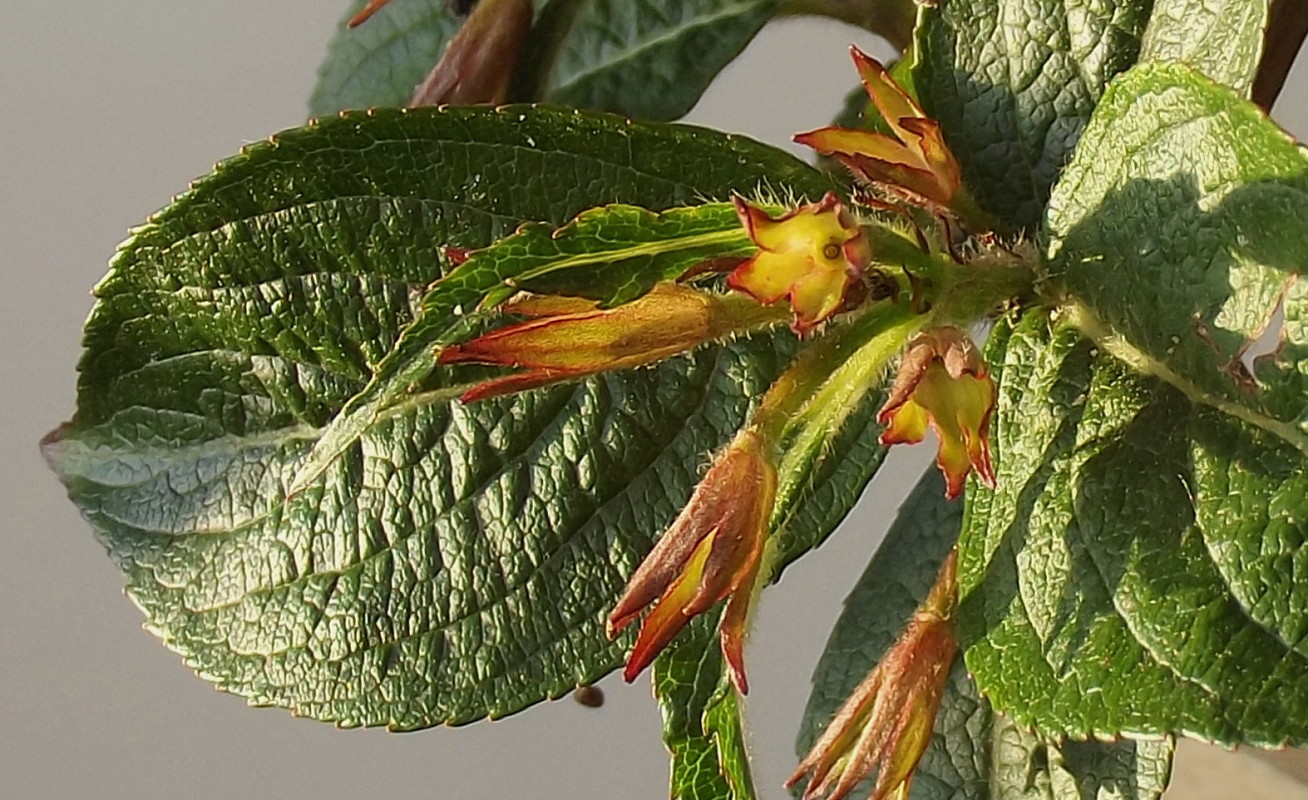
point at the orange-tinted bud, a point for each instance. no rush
(366, 13)
(815, 255)
(886, 724)
(915, 158)
(570, 337)
(712, 552)
(478, 63)
(942, 381)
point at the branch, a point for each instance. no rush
(1287, 25)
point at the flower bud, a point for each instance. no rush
(478, 63)
(815, 255)
(943, 382)
(886, 724)
(712, 552)
(915, 157)
(572, 337)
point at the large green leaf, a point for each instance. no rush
(1179, 225)
(975, 753)
(1013, 83)
(644, 58)
(1222, 39)
(1140, 569)
(454, 562)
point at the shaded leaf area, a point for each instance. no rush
(454, 562)
(1223, 39)
(701, 718)
(1140, 569)
(1180, 225)
(645, 59)
(975, 754)
(1013, 83)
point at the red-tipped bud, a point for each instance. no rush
(885, 725)
(942, 381)
(711, 553)
(815, 256)
(478, 63)
(915, 158)
(571, 337)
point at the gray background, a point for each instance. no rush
(109, 107)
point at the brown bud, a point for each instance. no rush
(479, 61)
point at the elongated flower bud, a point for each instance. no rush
(711, 553)
(915, 157)
(885, 725)
(479, 61)
(570, 337)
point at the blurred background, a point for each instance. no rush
(110, 108)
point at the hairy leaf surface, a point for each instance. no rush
(453, 562)
(1013, 83)
(1140, 569)
(975, 753)
(1179, 226)
(1223, 39)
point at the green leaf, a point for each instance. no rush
(701, 718)
(615, 253)
(379, 63)
(1178, 226)
(1139, 570)
(1013, 83)
(455, 562)
(648, 59)
(1223, 40)
(975, 753)
(645, 59)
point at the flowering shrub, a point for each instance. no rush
(404, 417)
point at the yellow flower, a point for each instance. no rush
(886, 724)
(942, 381)
(711, 553)
(915, 158)
(815, 255)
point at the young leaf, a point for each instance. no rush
(457, 562)
(975, 754)
(1137, 570)
(1223, 40)
(614, 254)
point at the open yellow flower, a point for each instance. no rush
(711, 553)
(943, 382)
(886, 724)
(815, 255)
(915, 158)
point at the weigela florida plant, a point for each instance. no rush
(422, 416)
